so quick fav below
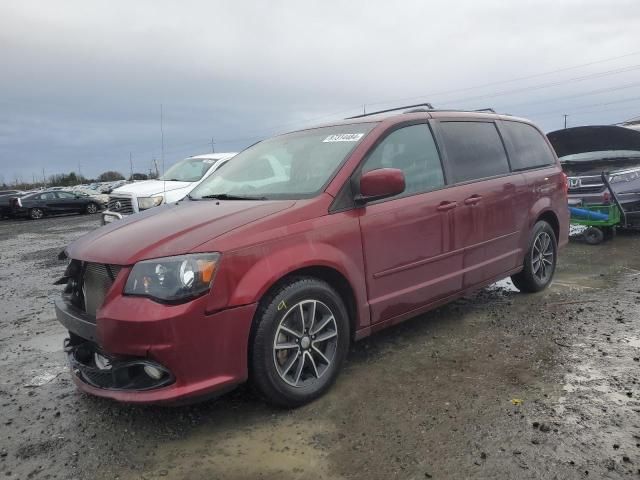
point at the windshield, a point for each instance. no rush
(292, 166)
(188, 170)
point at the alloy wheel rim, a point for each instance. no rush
(542, 257)
(305, 343)
(91, 208)
(36, 213)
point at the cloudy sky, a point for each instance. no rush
(82, 80)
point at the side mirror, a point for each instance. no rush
(380, 183)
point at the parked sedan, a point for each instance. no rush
(37, 205)
(102, 198)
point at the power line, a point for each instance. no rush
(547, 85)
(546, 113)
(577, 95)
(511, 80)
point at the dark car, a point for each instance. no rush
(587, 152)
(375, 220)
(37, 205)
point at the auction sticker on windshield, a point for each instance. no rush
(344, 137)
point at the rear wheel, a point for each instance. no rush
(540, 261)
(36, 213)
(92, 208)
(300, 340)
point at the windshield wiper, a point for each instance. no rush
(170, 180)
(228, 196)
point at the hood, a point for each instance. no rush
(168, 230)
(595, 138)
(147, 188)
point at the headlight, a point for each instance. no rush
(173, 279)
(625, 177)
(149, 202)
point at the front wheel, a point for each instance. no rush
(36, 213)
(92, 208)
(540, 261)
(300, 340)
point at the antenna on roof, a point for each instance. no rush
(428, 105)
(488, 109)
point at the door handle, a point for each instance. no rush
(472, 200)
(444, 206)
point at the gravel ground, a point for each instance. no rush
(497, 385)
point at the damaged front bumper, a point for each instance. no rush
(100, 370)
(140, 351)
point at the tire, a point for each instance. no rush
(92, 208)
(531, 279)
(279, 343)
(593, 235)
(36, 213)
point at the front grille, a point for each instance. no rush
(88, 284)
(586, 189)
(97, 281)
(585, 184)
(121, 205)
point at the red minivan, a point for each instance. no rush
(305, 242)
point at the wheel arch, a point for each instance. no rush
(551, 218)
(330, 275)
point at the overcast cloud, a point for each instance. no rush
(82, 81)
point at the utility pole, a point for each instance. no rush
(131, 166)
(161, 140)
(155, 165)
(565, 120)
(79, 170)
(44, 179)
(213, 148)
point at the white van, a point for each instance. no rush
(174, 185)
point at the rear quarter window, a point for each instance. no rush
(474, 150)
(530, 149)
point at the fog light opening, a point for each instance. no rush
(153, 372)
(101, 362)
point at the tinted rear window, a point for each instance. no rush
(530, 148)
(474, 150)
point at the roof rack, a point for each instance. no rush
(428, 105)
